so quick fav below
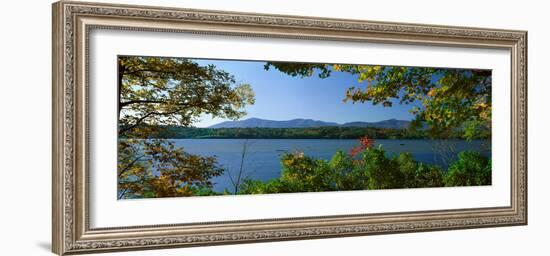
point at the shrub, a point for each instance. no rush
(204, 191)
(408, 167)
(348, 173)
(258, 187)
(418, 175)
(470, 169)
(428, 176)
(306, 174)
(369, 169)
(382, 172)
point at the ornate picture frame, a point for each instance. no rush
(72, 23)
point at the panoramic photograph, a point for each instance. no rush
(207, 127)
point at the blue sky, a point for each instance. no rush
(283, 97)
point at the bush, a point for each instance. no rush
(408, 167)
(382, 172)
(204, 191)
(428, 176)
(306, 174)
(470, 169)
(348, 173)
(369, 169)
(258, 187)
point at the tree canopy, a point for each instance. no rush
(442, 99)
(155, 92)
(175, 91)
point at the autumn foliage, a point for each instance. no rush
(155, 92)
(364, 143)
(443, 100)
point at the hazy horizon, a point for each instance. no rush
(244, 119)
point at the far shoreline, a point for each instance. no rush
(412, 139)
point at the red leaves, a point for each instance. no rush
(364, 143)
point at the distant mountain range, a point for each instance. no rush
(307, 123)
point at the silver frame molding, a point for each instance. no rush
(72, 22)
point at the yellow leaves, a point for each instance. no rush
(243, 95)
(175, 91)
(484, 110)
(486, 114)
(184, 191)
(363, 77)
(161, 169)
(369, 73)
(432, 92)
(481, 105)
(428, 117)
(288, 161)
